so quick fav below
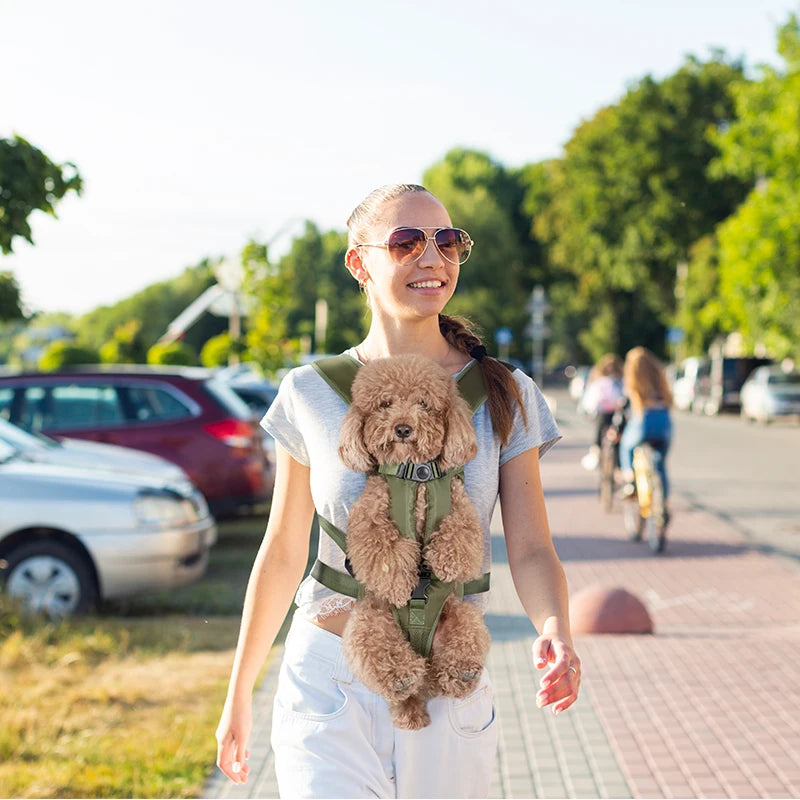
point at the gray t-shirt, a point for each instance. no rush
(305, 419)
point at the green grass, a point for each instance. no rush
(124, 703)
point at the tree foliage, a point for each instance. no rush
(630, 197)
(759, 245)
(29, 181)
(9, 298)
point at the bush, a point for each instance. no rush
(63, 353)
(173, 353)
(216, 351)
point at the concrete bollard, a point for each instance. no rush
(607, 609)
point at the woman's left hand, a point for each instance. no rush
(560, 685)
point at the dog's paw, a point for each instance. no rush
(455, 680)
(451, 561)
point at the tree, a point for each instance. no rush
(486, 199)
(29, 181)
(126, 347)
(216, 351)
(632, 194)
(759, 245)
(9, 298)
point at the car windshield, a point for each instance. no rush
(785, 379)
(17, 437)
(7, 452)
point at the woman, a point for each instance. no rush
(331, 736)
(647, 389)
(601, 399)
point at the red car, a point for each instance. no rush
(182, 414)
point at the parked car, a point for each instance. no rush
(91, 455)
(720, 381)
(771, 392)
(257, 394)
(182, 414)
(70, 537)
(686, 382)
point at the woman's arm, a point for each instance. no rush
(539, 578)
(277, 571)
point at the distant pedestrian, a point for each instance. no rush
(601, 399)
(331, 736)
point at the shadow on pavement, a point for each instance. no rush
(596, 548)
(509, 627)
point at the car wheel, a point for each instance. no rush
(52, 578)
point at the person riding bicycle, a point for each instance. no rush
(648, 418)
(601, 399)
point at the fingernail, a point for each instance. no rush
(236, 767)
(540, 701)
(556, 712)
(545, 683)
(541, 660)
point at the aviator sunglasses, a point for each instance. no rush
(406, 245)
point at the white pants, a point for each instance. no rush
(333, 737)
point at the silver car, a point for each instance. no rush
(771, 392)
(70, 537)
(94, 455)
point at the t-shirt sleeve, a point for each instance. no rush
(541, 430)
(282, 423)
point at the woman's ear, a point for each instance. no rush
(355, 266)
(352, 450)
(460, 441)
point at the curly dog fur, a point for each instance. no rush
(407, 408)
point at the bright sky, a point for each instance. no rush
(197, 125)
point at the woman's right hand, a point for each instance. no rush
(233, 732)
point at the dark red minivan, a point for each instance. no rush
(183, 414)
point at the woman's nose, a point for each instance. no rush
(431, 257)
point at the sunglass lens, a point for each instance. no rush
(454, 244)
(406, 244)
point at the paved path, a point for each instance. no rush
(708, 706)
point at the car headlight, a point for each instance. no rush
(163, 508)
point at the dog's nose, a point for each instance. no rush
(402, 431)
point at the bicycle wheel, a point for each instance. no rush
(632, 519)
(607, 475)
(655, 522)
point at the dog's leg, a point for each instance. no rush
(378, 653)
(459, 650)
(410, 714)
(384, 560)
(455, 550)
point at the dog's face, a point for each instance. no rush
(406, 408)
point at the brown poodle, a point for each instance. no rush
(407, 408)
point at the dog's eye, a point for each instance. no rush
(385, 404)
(423, 404)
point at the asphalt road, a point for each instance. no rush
(747, 474)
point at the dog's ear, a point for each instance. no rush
(460, 441)
(352, 450)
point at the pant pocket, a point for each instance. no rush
(474, 715)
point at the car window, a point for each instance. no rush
(145, 403)
(788, 379)
(72, 406)
(6, 396)
(231, 401)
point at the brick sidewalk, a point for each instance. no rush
(709, 706)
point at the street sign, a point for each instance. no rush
(503, 337)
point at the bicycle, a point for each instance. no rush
(645, 512)
(609, 456)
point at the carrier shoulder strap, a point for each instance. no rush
(339, 372)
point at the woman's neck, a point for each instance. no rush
(422, 338)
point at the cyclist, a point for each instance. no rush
(601, 399)
(650, 398)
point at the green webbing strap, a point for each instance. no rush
(472, 386)
(420, 616)
(338, 536)
(338, 372)
(478, 585)
(338, 581)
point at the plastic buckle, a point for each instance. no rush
(421, 589)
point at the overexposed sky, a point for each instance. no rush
(197, 125)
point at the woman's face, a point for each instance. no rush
(414, 291)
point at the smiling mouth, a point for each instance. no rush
(427, 284)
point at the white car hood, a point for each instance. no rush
(98, 455)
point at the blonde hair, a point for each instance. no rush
(501, 388)
(645, 380)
